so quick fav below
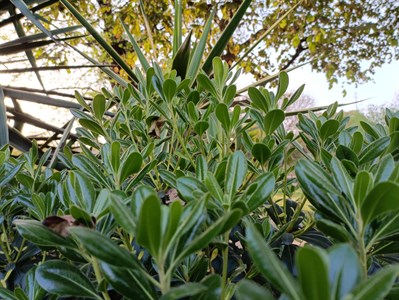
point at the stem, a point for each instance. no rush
(20, 250)
(225, 255)
(361, 246)
(99, 277)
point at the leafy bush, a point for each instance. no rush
(175, 194)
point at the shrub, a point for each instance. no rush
(175, 194)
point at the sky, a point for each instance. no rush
(381, 90)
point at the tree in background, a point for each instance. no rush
(343, 39)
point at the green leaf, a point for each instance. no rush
(249, 290)
(143, 61)
(169, 89)
(328, 129)
(333, 230)
(229, 94)
(39, 234)
(373, 150)
(184, 291)
(59, 277)
(92, 126)
(377, 286)
(10, 174)
(80, 190)
(236, 171)
(283, 81)
(227, 33)
(357, 142)
(131, 283)
(222, 114)
(261, 152)
(149, 232)
(383, 198)
(213, 186)
(312, 264)
(264, 186)
(258, 99)
(273, 119)
(99, 106)
(344, 152)
(191, 189)
(342, 178)
(345, 270)
(369, 129)
(109, 252)
(182, 57)
(108, 48)
(385, 168)
(195, 61)
(6, 294)
(177, 27)
(207, 84)
(122, 214)
(130, 165)
(200, 127)
(115, 156)
(269, 265)
(3, 121)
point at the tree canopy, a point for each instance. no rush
(344, 39)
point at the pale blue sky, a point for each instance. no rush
(381, 89)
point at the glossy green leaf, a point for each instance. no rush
(94, 127)
(177, 27)
(345, 270)
(201, 167)
(173, 221)
(81, 216)
(333, 230)
(131, 283)
(383, 198)
(80, 190)
(169, 89)
(182, 57)
(357, 142)
(195, 62)
(204, 82)
(39, 234)
(222, 114)
(342, 178)
(130, 165)
(115, 156)
(283, 81)
(261, 152)
(344, 152)
(10, 174)
(328, 129)
(385, 168)
(236, 171)
(109, 252)
(264, 186)
(99, 106)
(190, 188)
(273, 119)
(149, 232)
(363, 184)
(227, 33)
(249, 290)
(369, 129)
(200, 127)
(373, 150)
(3, 121)
(122, 214)
(229, 94)
(7, 294)
(377, 286)
(61, 278)
(312, 264)
(214, 188)
(184, 290)
(270, 266)
(258, 99)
